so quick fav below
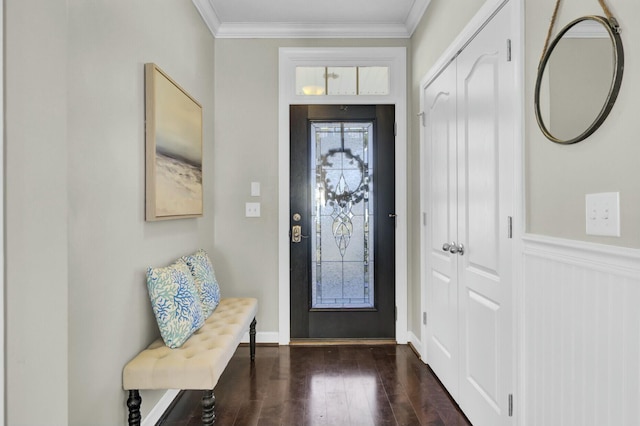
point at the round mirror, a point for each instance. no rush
(578, 80)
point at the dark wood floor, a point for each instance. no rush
(324, 385)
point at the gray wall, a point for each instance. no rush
(36, 212)
(110, 244)
(77, 242)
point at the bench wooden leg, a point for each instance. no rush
(208, 408)
(252, 339)
(134, 402)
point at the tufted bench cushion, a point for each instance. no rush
(200, 361)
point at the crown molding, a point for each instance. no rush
(309, 30)
(208, 14)
(415, 15)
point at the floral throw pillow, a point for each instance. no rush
(175, 302)
(205, 279)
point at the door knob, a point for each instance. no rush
(456, 249)
(446, 247)
(296, 234)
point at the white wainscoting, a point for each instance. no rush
(579, 339)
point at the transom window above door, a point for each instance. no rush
(342, 81)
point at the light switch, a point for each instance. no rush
(252, 210)
(255, 189)
(603, 214)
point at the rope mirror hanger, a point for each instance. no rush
(612, 21)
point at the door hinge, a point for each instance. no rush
(395, 129)
(510, 227)
(424, 218)
(396, 312)
(424, 318)
(422, 116)
(510, 405)
(508, 50)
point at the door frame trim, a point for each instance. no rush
(2, 230)
(396, 59)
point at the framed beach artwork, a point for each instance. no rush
(173, 149)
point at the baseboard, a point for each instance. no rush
(341, 342)
(416, 344)
(158, 410)
(273, 337)
(262, 337)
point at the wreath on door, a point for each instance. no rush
(339, 194)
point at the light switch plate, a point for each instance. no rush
(252, 210)
(255, 189)
(603, 214)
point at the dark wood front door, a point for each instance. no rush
(342, 221)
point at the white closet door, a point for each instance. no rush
(486, 134)
(442, 289)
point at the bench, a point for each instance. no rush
(198, 363)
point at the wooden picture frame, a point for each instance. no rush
(173, 140)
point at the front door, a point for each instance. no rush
(342, 221)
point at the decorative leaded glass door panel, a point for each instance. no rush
(342, 222)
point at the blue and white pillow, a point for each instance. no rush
(205, 280)
(175, 303)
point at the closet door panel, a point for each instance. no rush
(478, 230)
(442, 292)
(479, 181)
(485, 190)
